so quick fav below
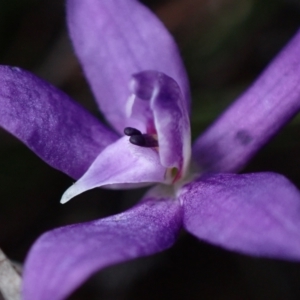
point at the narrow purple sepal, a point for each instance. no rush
(113, 40)
(64, 258)
(256, 214)
(57, 129)
(255, 117)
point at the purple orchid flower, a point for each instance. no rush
(140, 84)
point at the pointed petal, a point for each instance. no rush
(57, 129)
(120, 165)
(256, 214)
(115, 39)
(64, 258)
(255, 117)
(159, 104)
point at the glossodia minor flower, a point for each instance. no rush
(140, 84)
(160, 155)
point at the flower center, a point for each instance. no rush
(139, 139)
(150, 141)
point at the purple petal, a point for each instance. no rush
(120, 165)
(157, 101)
(58, 130)
(115, 39)
(64, 258)
(255, 117)
(256, 214)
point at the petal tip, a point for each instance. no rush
(70, 193)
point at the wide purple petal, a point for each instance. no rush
(256, 214)
(115, 39)
(255, 117)
(64, 258)
(158, 103)
(57, 129)
(120, 165)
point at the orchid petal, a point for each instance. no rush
(64, 258)
(255, 117)
(120, 165)
(256, 214)
(115, 39)
(57, 129)
(160, 106)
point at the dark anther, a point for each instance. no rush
(131, 131)
(144, 140)
(138, 140)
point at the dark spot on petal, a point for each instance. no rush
(243, 137)
(16, 69)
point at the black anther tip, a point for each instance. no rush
(131, 131)
(138, 140)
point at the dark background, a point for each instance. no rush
(225, 44)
